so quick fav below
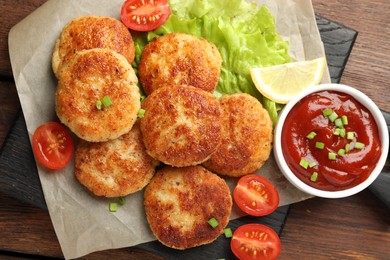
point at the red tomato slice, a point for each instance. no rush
(52, 145)
(145, 15)
(256, 195)
(255, 242)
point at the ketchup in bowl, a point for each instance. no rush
(330, 141)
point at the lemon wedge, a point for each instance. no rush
(280, 83)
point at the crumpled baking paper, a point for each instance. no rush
(82, 222)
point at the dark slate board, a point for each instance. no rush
(19, 177)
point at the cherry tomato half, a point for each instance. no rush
(145, 15)
(255, 242)
(52, 145)
(256, 195)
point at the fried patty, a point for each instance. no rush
(181, 125)
(177, 59)
(115, 168)
(88, 32)
(180, 201)
(89, 77)
(246, 136)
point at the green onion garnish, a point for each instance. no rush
(332, 156)
(339, 123)
(314, 177)
(345, 120)
(333, 117)
(347, 148)
(342, 132)
(341, 152)
(143, 97)
(122, 200)
(304, 163)
(106, 101)
(228, 232)
(359, 145)
(311, 135)
(312, 164)
(141, 113)
(350, 135)
(327, 112)
(113, 207)
(336, 131)
(320, 145)
(213, 222)
(99, 105)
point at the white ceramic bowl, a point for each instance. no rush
(383, 135)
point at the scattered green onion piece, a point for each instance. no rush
(312, 164)
(304, 163)
(113, 206)
(339, 123)
(99, 105)
(228, 232)
(213, 222)
(359, 145)
(314, 176)
(333, 117)
(141, 113)
(341, 152)
(327, 112)
(332, 156)
(320, 145)
(122, 200)
(336, 131)
(143, 97)
(345, 120)
(311, 135)
(347, 148)
(350, 135)
(342, 132)
(106, 101)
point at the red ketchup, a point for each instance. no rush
(328, 153)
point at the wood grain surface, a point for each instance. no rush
(357, 227)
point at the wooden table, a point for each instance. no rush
(357, 227)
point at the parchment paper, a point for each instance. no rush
(82, 222)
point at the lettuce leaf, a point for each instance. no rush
(244, 34)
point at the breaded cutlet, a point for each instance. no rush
(88, 78)
(179, 202)
(246, 136)
(177, 59)
(115, 168)
(181, 125)
(88, 32)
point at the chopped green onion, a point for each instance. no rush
(336, 131)
(341, 152)
(312, 164)
(311, 135)
(143, 97)
(314, 176)
(327, 112)
(345, 120)
(113, 206)
(347, 148)
(106, 101)
(99, 105)
(333, 117)
(141, 113)
(332, 156)
(213, 222)
(359, 145)
(304, 163)
(228, 232)
(342, 132)
(350, 135)
(320, 145)
(122, 200)
(339, 123)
